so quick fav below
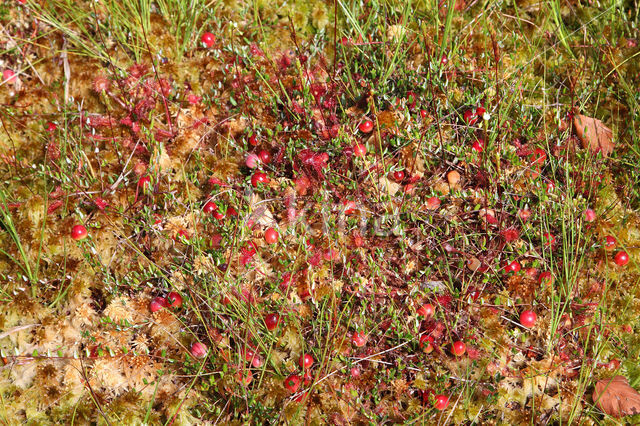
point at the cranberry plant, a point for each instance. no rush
(270, 213)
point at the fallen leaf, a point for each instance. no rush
(388, 186)
(388, 119)
(593, 134)
(261, 215)
(473, 263)
(413, 160)
(616, 398)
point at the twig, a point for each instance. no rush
(16, 329)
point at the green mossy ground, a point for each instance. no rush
(133, 93)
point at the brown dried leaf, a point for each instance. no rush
(388, 186)
(261, 214)
(473, 263)
(413, 160)
(593, 134)
(616, 398)
(354, 111)
(388, 119)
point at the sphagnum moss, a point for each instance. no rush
(96, 354)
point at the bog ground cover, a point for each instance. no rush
(319, 212)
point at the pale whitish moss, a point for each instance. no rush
(118, 340)
(140, 344)
(107, 375)
(165, 326)
(80, 288)
(175, 224)
(107, 244)
(179, 280)
(203, 264)
(84, 316)
(73, 379)
(118, 310)
(25, 370)
(141, 370)
(72, 337)
(48, 335)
